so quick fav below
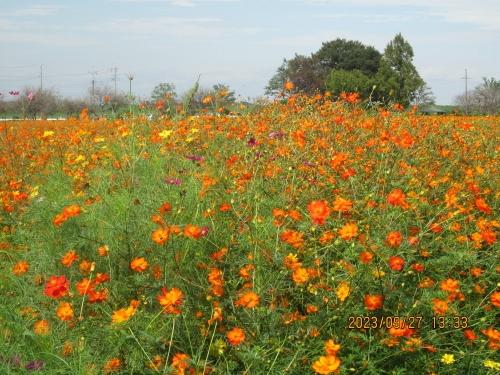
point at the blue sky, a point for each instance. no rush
(235, 42)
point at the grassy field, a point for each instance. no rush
(306, 237)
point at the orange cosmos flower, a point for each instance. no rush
(482, 206)
(289, 86)
(235, 336)
(348, 231)
(470, 335)
(193, 231)
(225, 207)
(495, 299)
(65, 311)
(311, 309)
(86, 266)
(69, 258)
(160, 236)
(112, 365)
(59, 219)
(439, 306)
(217, 282)
(342, 205)
(41, 327)
(248, 300)
(164, 208)
(397, 198)
(450, 286)
(326, 237)
(326, 365)
(124, 314)
(293, 238)
(103, 250)
(56, 287)
(207, 99)
(365, 257)
(219, 255)
(319, 211)
(139, 264)
(20, 268)
(396, 263)
(180, 363)
(394, 239)
(292, 262)
(170, 300)
(331, 348)
(300, 275)
(71, 211)
(373, 301)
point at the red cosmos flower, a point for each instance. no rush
(319, 211)
(56, 287)
(417, 267)
(396, 263)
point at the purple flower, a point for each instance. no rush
(31, 96)
(35, 365)
(14, 93)
(173, 181)
(252, 142)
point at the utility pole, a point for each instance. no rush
(41, 78)
(114, 79)
(466, 78)
(130, 78)
(94, 73)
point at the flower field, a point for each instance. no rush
(309, 236)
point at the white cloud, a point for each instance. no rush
(174, 26)
(179, 3)
(482, 13)
(58, 40)
(34, 10)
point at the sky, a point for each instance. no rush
(235, 42)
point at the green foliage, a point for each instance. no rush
(345, 54)
(339, 81)
(397, 78)
(163, 91)
(189, 96)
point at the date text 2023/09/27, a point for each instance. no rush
(410, 322)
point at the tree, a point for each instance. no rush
(163, 91)
(424, 96)
(305, 72)
(484, 99)
(339, 81)
(397, 78)
(348, 55)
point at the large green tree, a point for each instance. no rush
(348, 55)
(397, 78)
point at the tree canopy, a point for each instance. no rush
(397, 77)
(348, 55)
